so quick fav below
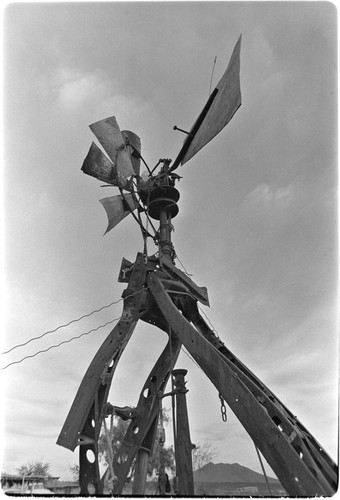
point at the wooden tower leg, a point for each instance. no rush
(141, 472)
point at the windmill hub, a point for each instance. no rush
(163, 198)
(159, 194)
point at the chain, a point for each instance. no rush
(223, 408)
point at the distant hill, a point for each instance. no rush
(229, 473)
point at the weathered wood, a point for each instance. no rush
(97, 379)
(285, 447)
(142, 462)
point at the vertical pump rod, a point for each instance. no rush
(183, 446)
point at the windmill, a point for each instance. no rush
(160, 294)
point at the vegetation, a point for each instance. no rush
(202, 454)
(111, 438)
(34, 468)
(75, 471)
(162, 456)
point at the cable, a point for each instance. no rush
(192, 359)
(212, 74)
(210, 323)
(263, 469)
(186, 272)
(141, 157)
(58, 328)
(61, 343)
(69, 323)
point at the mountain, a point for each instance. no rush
(229, 473)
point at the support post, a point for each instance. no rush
(183, 444)
(139, 481)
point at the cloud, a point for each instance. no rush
(72, 88)
(79, 89)
(265, 198)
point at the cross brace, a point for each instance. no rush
(160, 294)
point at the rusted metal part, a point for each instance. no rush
(125, 271)
(98, 377)
(83, 423)
(142, 429)
(117, 208)
(163, 198)
(165, 246)
(126, 268)
(183, 445)
(200, 293)
(110, 137)
(305, 445)
(299, 467)
(124, 412)
(97, 165)
(89, 477)
(133, 145)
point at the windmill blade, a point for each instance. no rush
(110, 137)
(133, 145)
(97, 165)
(117, 208)
(221, 106)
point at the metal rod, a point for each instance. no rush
(193, 131)
(164, 234)
(263, 469)
(183, 444)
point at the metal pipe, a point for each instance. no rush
(183, 444)
(164, 234)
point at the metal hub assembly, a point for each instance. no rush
(163, 198)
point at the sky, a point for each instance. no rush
(258, 214)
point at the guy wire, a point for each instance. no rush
(69, 323)
(61, 343)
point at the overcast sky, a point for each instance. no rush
(257, 221)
